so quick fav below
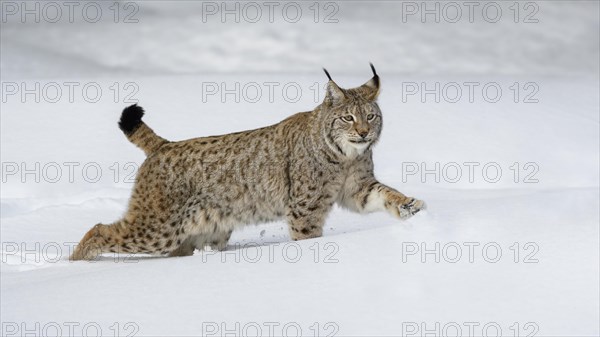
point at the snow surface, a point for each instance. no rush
(181, 37)
(363, 277)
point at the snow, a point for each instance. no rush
(369, 274)
(183, 37)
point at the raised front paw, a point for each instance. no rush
(410, 208)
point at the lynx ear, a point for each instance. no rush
(334, 94)
(370, 90)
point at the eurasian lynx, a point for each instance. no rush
(194, 193)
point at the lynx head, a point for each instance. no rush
(351, 118)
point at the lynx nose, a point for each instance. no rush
(363, 133)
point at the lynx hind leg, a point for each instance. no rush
(130, 238)
(219, 239)
(186, 248)
(100, 239)
(216, 240)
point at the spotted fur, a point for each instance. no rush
(192, 194)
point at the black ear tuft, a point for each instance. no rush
(373, 69)
(375, 76)
(131, 118)
(327, 73)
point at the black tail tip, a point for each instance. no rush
(131, 118)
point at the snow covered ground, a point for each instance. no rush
(509, 244)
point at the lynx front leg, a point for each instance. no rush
(371, 196)
(396, 203)
(364, 194)
(305, 227)
(310, 199)
(306, 222)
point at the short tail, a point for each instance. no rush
(138, 132)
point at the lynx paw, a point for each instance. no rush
(412, 207)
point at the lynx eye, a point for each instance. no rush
(370, 117)
(348, 118)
